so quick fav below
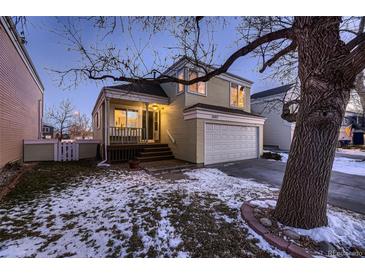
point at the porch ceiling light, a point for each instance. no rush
(155, 107)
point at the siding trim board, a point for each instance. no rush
(137, 97)
(219, 116)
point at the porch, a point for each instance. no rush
(132, 126)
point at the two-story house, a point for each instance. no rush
(208, 122)
(47, 131)
(21, 95)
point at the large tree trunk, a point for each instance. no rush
(324, 95)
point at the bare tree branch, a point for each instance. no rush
(278, 55)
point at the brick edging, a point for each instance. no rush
(291, 248)
(14, 181)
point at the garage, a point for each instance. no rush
(225, 143)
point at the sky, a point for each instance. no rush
(50, 51)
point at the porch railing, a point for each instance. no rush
(126, 135)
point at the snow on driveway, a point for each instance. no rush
(134, 214)
(341, 164)
(356, 152)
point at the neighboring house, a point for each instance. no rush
(47, 131)
(277, 131)
(21, 95)
(202, 123)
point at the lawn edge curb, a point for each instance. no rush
(292, 249)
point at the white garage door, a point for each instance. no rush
(224, 143)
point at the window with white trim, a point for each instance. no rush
(200, 87)
(126, 118)
(237, 96)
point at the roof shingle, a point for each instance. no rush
(148, 89)
(273, 91)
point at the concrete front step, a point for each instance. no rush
(156, 153)
(153, 149)
(155, 158)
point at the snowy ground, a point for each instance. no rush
(357, 152)
(342, 164)
(344, 227)
(133, 214)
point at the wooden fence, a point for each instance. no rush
(53, 150)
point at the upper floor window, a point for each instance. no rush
(199, 87)
(237, 96)
(180, 75)
(188, 74)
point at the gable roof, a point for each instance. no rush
(221, 109)
(273, 91)
(188, 59)
(148, 89)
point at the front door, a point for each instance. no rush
(156, 125)
(153, 124)
(150, 124)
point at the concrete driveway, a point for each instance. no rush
(346, 191)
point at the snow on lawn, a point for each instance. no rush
(341, 164)
(342, 229)
(134, 214)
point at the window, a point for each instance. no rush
(96, 120)
(199, 87)
(132, 118)
(125, 118)
(237, 96)
(180, 75)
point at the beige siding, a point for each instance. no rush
(20, 102)
(183, 132)
(87, 151)
(38, 152)
(189, 134)
(98, 131)
(218, 92)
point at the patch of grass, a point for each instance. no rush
(205, 231)
(135, 242)
(47, 176)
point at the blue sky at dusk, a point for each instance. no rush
(48, 50)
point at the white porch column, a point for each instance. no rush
(106, 127)
(146, 134)
(107, 108)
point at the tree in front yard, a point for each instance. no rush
(327, 54)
